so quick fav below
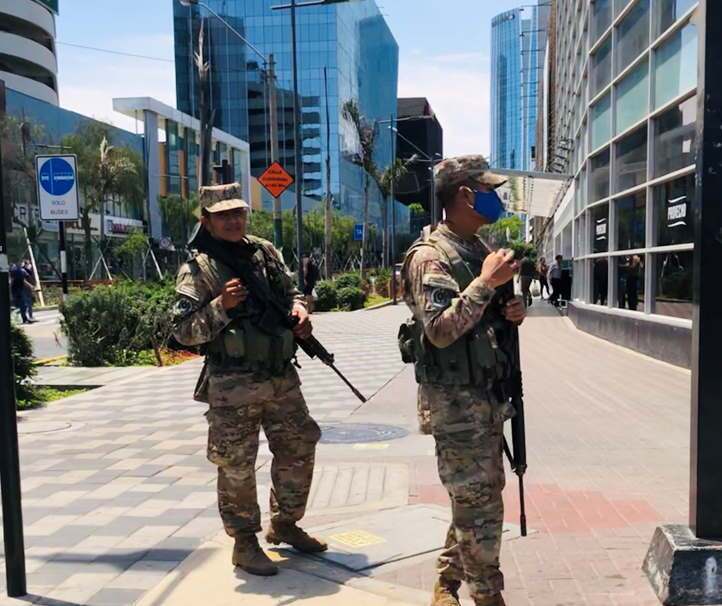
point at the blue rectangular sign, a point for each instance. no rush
(358, 232)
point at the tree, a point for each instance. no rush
(103, 170)
(389, 177)
(504, 231)
(179, 216)
(366, 133)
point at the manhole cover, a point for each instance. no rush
(28, 427)
(358, 433)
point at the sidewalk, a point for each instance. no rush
(123, 503)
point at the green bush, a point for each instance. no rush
(27, 395)
(351, 280)
(326, 296)
(382, 282)
(112, 325)
(351, 298)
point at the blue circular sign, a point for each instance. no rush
(57, 176)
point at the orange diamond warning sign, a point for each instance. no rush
(276, 179)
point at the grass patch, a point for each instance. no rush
(374, 299)
(170, 357)
(46, 395)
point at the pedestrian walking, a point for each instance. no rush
(19, 288)
(29, 292)
(555, 277)
(311, 275)
(542, 272)
(527, 272)
(450, 279)
(248, 379)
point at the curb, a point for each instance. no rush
(379, 306)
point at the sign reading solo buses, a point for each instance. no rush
(57, 187)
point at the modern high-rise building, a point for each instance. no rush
(28, 61)
(624, 118)
(345, 52)
(518, 43)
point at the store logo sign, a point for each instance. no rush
(601, 229)
(676, 212)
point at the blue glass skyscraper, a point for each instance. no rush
(518, 40)
(345, 52)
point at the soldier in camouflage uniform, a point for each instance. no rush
(249, 382)
(450, 281)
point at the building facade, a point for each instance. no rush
(28, 59)
(518, 44)
(625, 108)
(345, 52)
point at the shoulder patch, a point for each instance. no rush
(435, 280)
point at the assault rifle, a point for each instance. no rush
(237, 258)
(513, 389)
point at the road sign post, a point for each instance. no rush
(57, 181)
(9, 458)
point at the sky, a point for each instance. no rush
(443, 44)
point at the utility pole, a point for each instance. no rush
(9, 455)
(273, 117)
(298, 142)
(328, 216)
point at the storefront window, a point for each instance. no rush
(602, 121)
(668, 11)
(600, 281)
(631, 224)
(630, 282)
(632, 35)
(601, 73)
(601, 17)
(673, 203)
(600, 228)
(675, 68)
(673, 296)
(599, 176)
(633, 98)
(631, 160)
(674, 138)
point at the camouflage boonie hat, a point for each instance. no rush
(218, 198)
(455, 171)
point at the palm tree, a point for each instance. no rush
(103, 170)
(390, 176)
(366, 132)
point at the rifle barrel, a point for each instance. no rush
(355, 391)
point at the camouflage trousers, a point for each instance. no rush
(239, 407)
(468, 429)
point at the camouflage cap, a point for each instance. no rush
(218, 198)
(455, 171)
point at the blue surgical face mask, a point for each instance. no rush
(488, 205)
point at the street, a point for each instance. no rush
(117, 491)
(45, 334)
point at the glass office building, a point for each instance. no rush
(518, 40)
(345, 52)
(626, 112)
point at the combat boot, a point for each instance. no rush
(295, 537)
(446, 593)
(248, 555)
(491, 600)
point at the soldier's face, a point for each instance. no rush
(229, 225)
(471, 217)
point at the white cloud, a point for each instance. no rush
(89, 80)
(458, 88)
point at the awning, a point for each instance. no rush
(534, 193)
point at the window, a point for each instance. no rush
(580, 232)
(631, 160)
(619, 6)
(599, 176)
(632, 35)
(601, 122)
(673, 296)
(631, 225)
(630, 282)
(601, 72)
(632, 98)
(668, 11)
(673, 204)
(600, 281)
(601, 17)
(674, 138)
(675, 68)
(600, 228)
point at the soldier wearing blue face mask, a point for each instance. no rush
(450, 280)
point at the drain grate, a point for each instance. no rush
(360, 433)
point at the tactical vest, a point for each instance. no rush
(243, 345)
(475, 359)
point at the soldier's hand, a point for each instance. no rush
(303, 329)
(234, 293)
(498, 268)
(515, 311)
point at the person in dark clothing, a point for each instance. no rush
(555, 277)
(601, 281)
(311, 276)
(19, 284)
(29, 293)
(543, 270)
(527, 272)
